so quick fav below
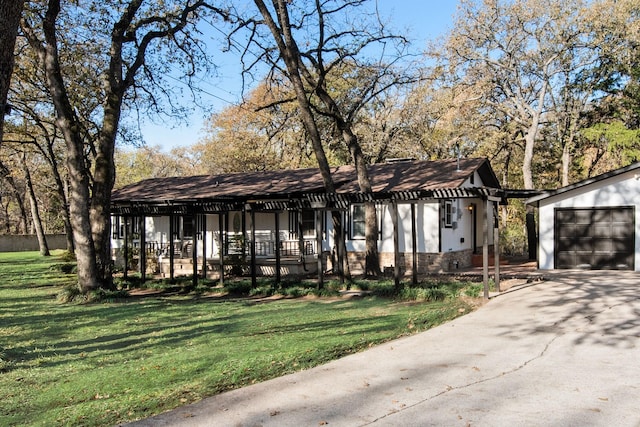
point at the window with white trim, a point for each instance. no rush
(357, 222)
(448, 214)
(118, 223)
(308, 223)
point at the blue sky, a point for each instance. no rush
(424, 20)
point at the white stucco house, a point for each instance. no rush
(592, 224)
(280, 222)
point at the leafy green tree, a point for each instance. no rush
(613, 127)
(136, 164)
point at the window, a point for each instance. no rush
(305, 221)
(118, 224)
(308, 223)
(183, 227)
(187, 227)
(357, 222)
(448, 214)
(358, 216)
(136, 226)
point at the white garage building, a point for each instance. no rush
(593, 224)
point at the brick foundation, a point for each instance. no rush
(426, 262)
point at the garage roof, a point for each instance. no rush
(584, 183)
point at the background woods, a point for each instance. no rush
(548, 90)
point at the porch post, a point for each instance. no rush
(254, 281)
(204, 246)
(496, 245)
(126, 247)
(221, 246)
(277, 248)
(143, 248)
(414, 245)
(194, 249)
(485, 249)
(396, 244)
(338, 222)
(319, 214)
(300, 237)
(172, 249)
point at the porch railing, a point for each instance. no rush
(264, 248)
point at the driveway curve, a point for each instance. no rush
(562, 352)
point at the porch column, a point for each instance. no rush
(254, 281)
(143, 248)
(221, 246)
(300, 238)
(126, 247)
(194, 249)
(414, 245)
(172, 249)
(496, 246)
(396, 244)
(204, 246)
(277, 248)
(319, 214)
(485, 249)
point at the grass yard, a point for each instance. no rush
(104, 363)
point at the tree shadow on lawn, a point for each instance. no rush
(154, 323)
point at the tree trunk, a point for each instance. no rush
(103, 180)
(372, 258)
(35, 215)
(527, 174)
(66, 121)
(60, 187)
(10, 11)
(341, 247)
(566, 162)
(6, 174)
(289, 51)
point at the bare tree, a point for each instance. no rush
(132, 32)
(524, 57)
(312, 43)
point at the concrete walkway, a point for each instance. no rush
(564, 352)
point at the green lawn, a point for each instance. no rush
(109, 362)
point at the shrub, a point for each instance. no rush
(384, 289)
(294, 291)
(437, 293)
(513, 240)
(5, 363)
(239, 287)
(262, 291)
(106, 295)
(474, 290)
(68, 256)
(65, 268)
(69, 293)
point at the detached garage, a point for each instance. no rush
(593, 224)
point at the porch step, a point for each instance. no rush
(476, 260)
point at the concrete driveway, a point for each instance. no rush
(564, 352)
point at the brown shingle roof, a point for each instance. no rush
(385, 177)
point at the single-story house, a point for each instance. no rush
(432, 216)
(592, 224)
